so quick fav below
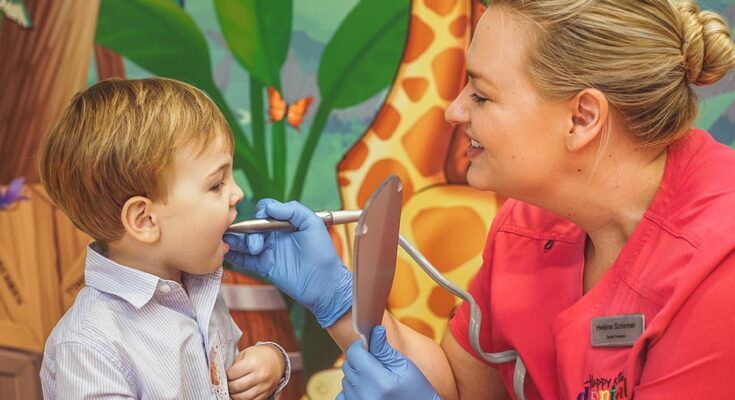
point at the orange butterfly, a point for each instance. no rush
(294, 113)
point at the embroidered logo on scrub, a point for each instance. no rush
(600, 388)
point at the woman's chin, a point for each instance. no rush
(477, 180)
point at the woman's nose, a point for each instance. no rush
(456, 113)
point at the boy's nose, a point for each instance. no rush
(237, 195)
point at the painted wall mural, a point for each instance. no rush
(325, 98)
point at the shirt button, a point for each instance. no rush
(164, 289)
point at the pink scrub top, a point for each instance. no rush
(676, 273)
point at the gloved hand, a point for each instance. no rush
(302, 264)
(383, 373)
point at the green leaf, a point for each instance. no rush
(362, 57)
(157, 35)
(162, 38)
(258, 33)
(711, 109)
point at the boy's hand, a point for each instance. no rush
(256, 372)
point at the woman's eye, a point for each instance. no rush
(218, 187)
(477, 99)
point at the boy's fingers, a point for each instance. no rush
(254, 392)
(242, 384)
(240, 369)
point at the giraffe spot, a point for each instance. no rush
(386, 121)
(418, 325)
(441, 302)
(355, 157)
(458, 27)
(405, 289)
(441, 7)
(343, 181)
(447, 68)
(379, 171)
(448, 236)
(419, 39)
(415, 88)
(427, 142)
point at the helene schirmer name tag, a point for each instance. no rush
(617, 330)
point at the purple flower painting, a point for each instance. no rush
(13, 193)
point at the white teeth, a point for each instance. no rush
(474, 143)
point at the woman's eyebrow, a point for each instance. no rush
(475, 75)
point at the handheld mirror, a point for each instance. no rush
(375, 250)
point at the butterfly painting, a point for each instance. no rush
(294, 113)
(12, 193)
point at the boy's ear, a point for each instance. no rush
(138, 220)
(589, 116)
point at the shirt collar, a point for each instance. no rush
(134, 286)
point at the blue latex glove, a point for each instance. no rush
(302, 264)
(383, 373)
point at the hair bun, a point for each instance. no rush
(707, 46)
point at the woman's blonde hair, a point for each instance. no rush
(642, 54)
(118, 139)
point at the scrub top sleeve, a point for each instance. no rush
(694, 357)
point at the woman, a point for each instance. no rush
(609, 270)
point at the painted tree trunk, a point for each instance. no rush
(40, 69)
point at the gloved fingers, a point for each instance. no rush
(255, 242)
(246, 261)
(350, 390)
(250, 243)
(381, 349)
(294, 212)
(260, 213)
(262, 204)
(350, 375)
(365, 364)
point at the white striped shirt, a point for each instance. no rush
(131, 334)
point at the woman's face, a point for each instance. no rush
(517, 137)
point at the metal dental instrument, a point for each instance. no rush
(265, 225)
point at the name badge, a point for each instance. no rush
(617, 330)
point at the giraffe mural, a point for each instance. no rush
(442, 216)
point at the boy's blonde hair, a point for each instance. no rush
(118, 139)
(642, 54)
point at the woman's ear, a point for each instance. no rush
(589, 118)
(139, 221)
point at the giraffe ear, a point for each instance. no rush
(589, 116)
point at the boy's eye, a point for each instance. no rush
(477, 99)
(218, 187)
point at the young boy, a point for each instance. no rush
(145, 168)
